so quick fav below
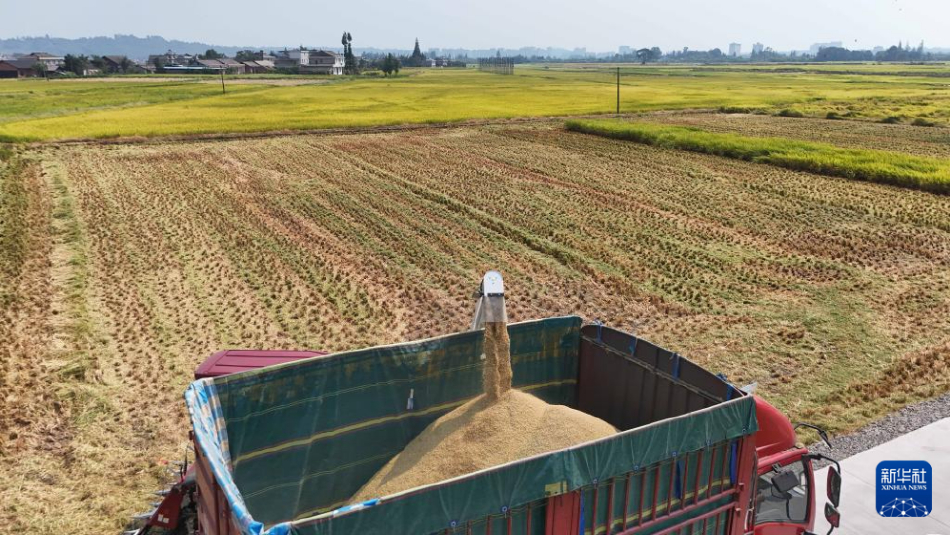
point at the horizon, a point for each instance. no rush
(608, 24)
(746, 46)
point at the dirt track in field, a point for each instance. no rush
(204, 80)
(159, 254)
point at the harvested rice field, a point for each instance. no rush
(125, 265)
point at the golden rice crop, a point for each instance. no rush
(905, 170)
(927, 142)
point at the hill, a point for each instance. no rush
(126, 45)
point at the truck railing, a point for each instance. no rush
(695, 493)
(704, 503)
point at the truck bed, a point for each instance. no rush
(282, 449)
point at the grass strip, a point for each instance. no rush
(916, 172)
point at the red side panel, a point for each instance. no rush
(207, 493)
(746, 478)
(564, 514)
(214, 513)
(238, 360)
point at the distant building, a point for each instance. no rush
(171, 59)
(757, 48)
(735, 49)
(437, 62)
(232, 66)
(52, 62)
(261, 56)
(258, 66)
(18, 68)
(227, 65)
(119, 64)
(625, 51)
(212, 64)
(323, 62)
(816, 48)
(878, 49)
(292, 59)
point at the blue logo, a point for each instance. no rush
(904, 488)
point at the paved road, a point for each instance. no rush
(858, 517)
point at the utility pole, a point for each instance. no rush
(222, 83)
(618, 91)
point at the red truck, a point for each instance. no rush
(746, 475)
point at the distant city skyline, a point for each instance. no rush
(598, 26)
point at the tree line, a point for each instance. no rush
(900, 52)
(81, 64)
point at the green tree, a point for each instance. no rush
(355, 67)
(125, 64)
(40, 68)
(389, 65)
(76, 64)
(350, 65)
(417, 58)
(245, 55)
(211, 54)
(644, 55)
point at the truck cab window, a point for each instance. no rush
(773, 505)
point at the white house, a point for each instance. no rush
(323, 62)
(292, 59)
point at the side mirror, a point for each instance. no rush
(832, 515)
(821, 432)
(833, 486)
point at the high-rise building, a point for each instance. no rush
(624, 51)
(735, 49)
(758, 48)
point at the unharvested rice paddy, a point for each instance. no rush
(919, 141)
(36, 110)
(126, 265)
(900, 169)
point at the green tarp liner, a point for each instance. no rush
(290, 442)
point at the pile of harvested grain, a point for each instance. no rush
(499, 427)
(482, 434)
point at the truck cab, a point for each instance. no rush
(785, 501)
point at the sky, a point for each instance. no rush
(598, 25)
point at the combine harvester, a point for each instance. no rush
(282, 446)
